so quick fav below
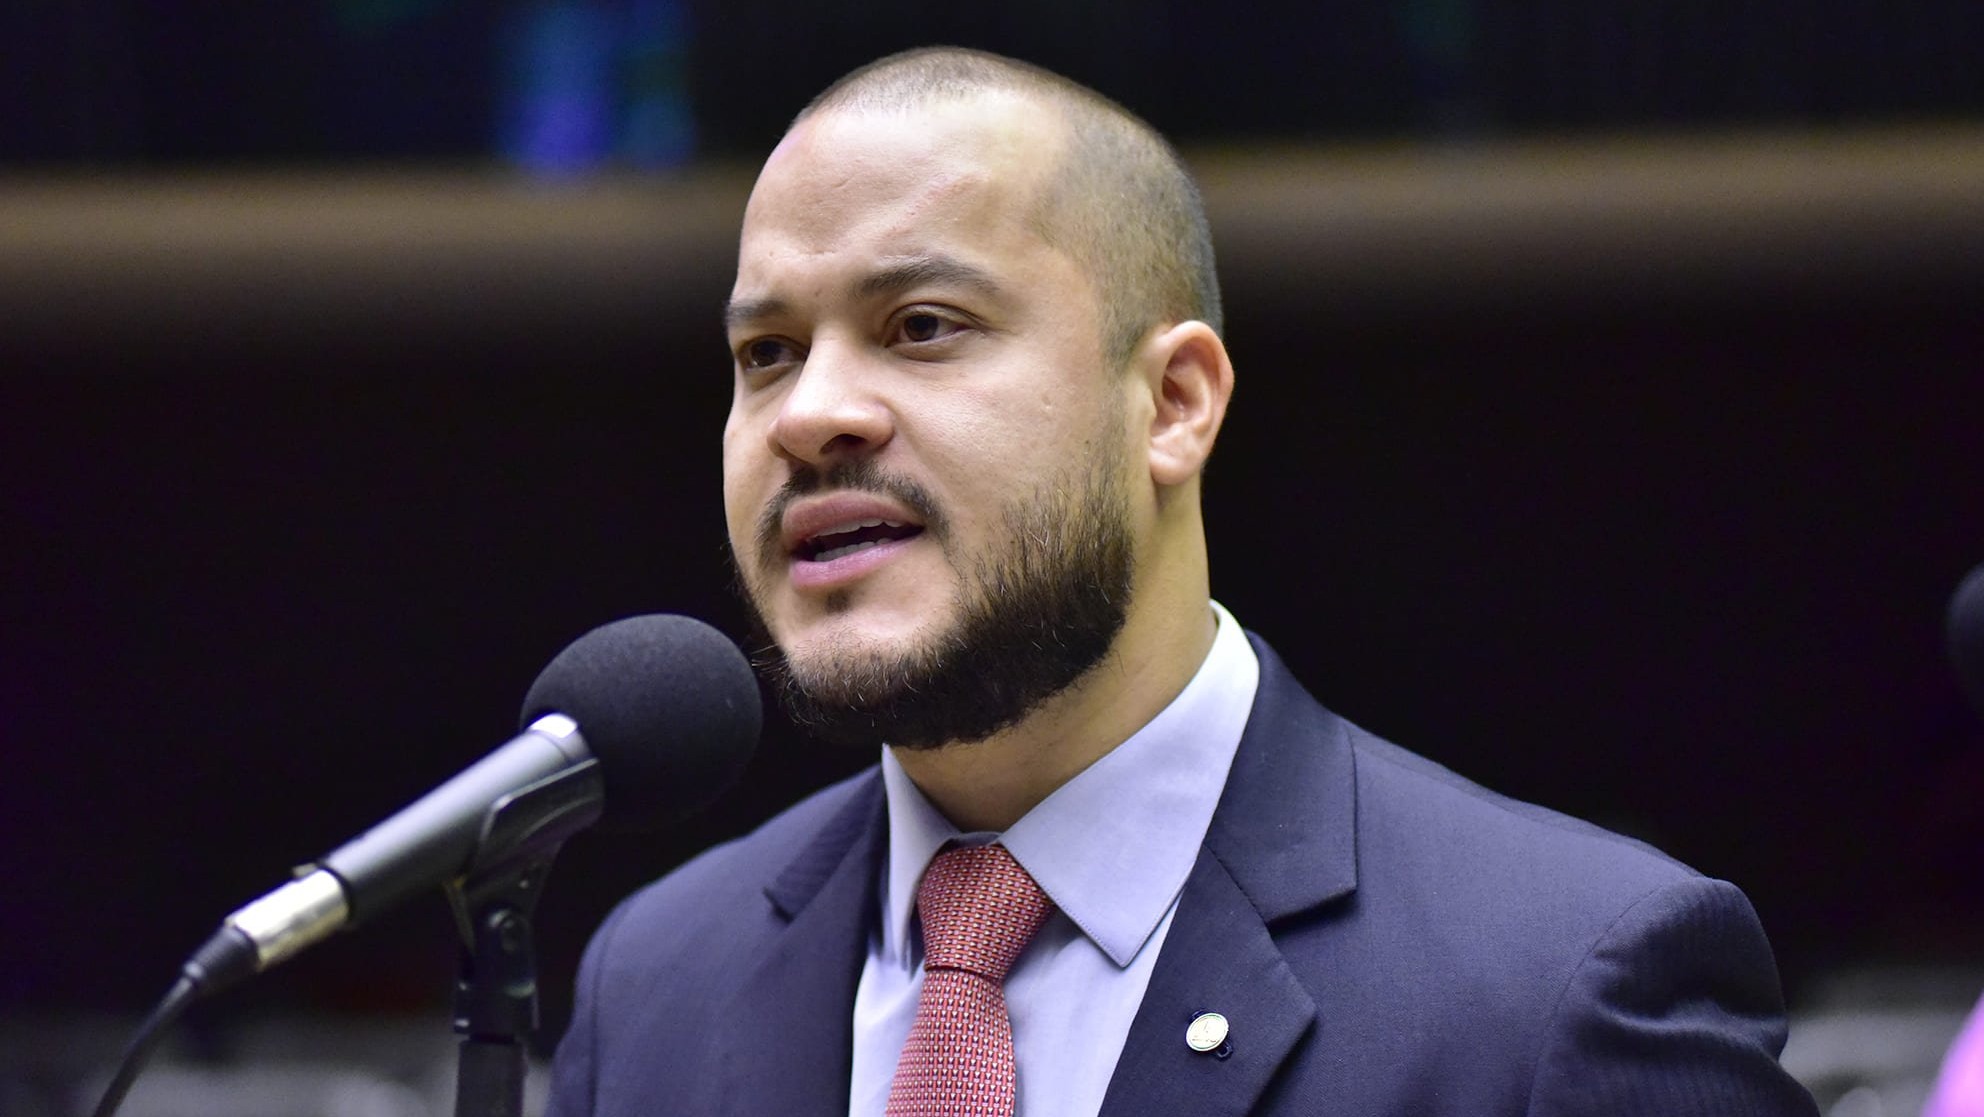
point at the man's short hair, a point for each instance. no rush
(1121, 203)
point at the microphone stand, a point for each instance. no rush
(496, 994)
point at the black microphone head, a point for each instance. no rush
(1966, 635)
(666, 704)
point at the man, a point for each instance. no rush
(978, 374)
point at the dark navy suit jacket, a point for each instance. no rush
(1384, 937)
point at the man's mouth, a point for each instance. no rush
(851, 538)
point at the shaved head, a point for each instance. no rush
(1121, 203)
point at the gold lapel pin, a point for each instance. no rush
(1207, 1033)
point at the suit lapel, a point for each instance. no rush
(1282, 842)
(788, 1042)
(1217, 957)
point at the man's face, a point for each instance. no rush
(926, 464)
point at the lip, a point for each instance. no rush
(833, 573)
(807, 518)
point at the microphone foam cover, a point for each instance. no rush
(666, 704)
(1966, 636)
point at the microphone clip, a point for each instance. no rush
(496, 1005)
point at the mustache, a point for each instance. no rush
(859, 475)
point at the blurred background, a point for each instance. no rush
(1608, 429)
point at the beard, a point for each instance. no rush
(1030, 619)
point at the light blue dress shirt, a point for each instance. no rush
(1112, 848)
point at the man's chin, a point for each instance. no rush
(849, 667)
(835, 635)
(845, 693)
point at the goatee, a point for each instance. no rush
(1032, 618)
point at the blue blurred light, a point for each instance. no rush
(592, 80)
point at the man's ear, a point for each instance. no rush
(1190, 378)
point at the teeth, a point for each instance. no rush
(829, 550)
(857, 526)
(833, 553)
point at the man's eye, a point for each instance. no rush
(923, 326)
(765, 352)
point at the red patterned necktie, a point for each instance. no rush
(979, 910)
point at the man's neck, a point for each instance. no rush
(989, 785)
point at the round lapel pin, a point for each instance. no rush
(1207, 1033)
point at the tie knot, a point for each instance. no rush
(979, 910)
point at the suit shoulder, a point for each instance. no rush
(1615, 978)
(1537, 891)
(742, 867)
(681, 947)
(1417, 806)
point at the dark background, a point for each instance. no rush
(1607, 424)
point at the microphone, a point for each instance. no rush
(1965, 627)
(666, 710)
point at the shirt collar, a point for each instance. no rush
(1111, 847)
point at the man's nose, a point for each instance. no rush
(832, 410)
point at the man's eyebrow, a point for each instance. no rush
(920, 270)
(736, 313)
(893, 279)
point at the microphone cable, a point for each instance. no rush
(223, 960)
(180, 997)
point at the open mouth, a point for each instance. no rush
(848, 539)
